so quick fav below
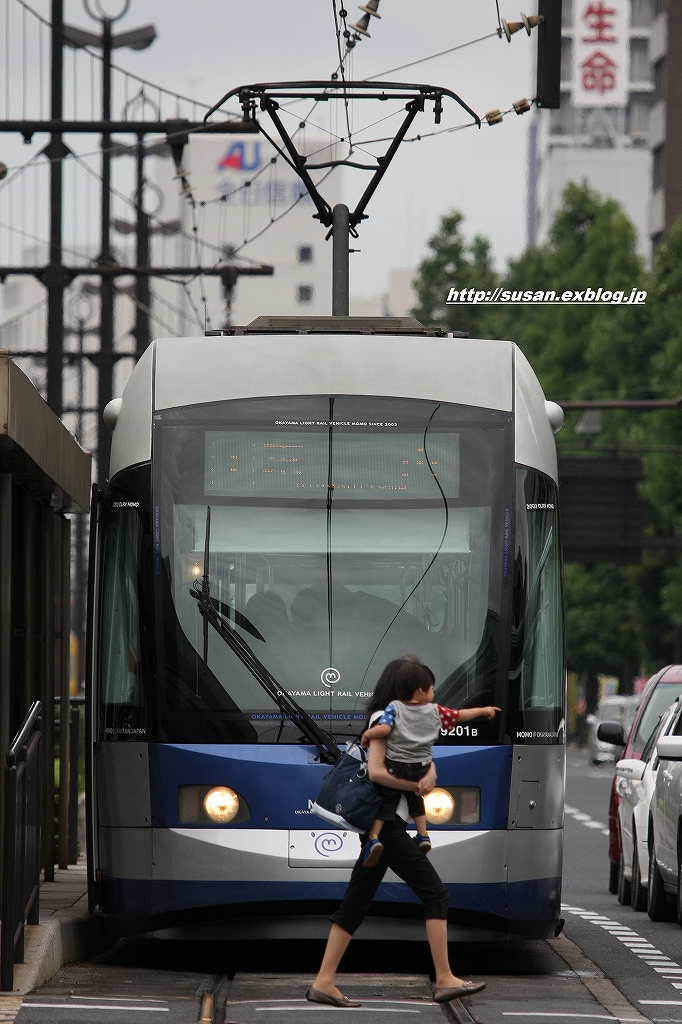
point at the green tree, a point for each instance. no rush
(582, 351)
(599, 636)
(617, 616)
(454, 262)
(662, 487)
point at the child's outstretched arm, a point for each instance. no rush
(466, 714)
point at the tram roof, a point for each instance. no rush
(36, 447)
(280, 356)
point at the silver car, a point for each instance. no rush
(665, 830)
(610, 709)
(635, 784)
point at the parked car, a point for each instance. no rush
(665, 831)
(610, 709)
(635, 784)
(659, 693)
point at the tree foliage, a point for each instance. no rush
(617, 616)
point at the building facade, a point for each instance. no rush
(665, 123)
(601, 133)
(249, 208)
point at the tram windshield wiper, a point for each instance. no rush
(329, 752)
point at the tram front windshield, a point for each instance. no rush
(344, 533)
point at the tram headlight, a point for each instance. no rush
(221, 804)
(440, 806)
(453, 805)
(214, 805)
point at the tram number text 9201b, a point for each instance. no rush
(459, 730)
(540, 505)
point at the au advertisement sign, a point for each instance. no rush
(601, 53)
(245, 175)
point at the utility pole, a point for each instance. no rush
(340, 220)
(106, 345)
(54, 273)
(340, 255)
(142, 289)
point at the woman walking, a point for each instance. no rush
(403, 857)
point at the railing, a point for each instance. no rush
(67, 828)
(74, 759)
(21, 853)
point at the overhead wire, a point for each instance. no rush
(433, 56)
(342, 70)
(114, 67)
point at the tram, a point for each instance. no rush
(292, 505)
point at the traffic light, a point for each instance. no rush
(548, 89)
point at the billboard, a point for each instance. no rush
(601, 53)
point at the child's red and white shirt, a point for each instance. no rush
(448, 717)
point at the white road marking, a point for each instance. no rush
(666, 968)
(92, 1006)
(585, 819)
(121, 999)
(334, 1009)
(660, 1002)
(590, 1016)
(305, 1003)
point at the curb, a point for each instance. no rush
(604, 990)
(63, 937)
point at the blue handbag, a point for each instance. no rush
(348, 799)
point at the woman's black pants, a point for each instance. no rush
(403, 857)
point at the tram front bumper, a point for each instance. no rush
(506, 876)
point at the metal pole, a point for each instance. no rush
(74, 751)
(107, 286)
(48, 526)
(340, 237)
(54, 277)
(64, 694)
(5, 634)
(142, 289)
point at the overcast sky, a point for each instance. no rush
(206, 47)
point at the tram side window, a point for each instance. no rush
(538, 611)
(121, 661)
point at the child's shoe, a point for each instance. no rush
(371, 852)
(423, 842)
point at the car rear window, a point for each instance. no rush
(661, 698)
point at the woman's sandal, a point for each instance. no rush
(313, 995)
(467, 988)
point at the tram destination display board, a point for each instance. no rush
(351, 465)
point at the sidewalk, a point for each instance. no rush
(64, 934)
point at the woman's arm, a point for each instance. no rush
(379, 774)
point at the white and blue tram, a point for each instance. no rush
(292, 505)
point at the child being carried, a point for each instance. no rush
(411, 724)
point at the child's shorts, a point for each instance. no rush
(390, 798)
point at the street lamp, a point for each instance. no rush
(136, 39)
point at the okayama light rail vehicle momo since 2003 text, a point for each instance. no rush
(291, 506)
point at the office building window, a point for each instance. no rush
(304, 254)
(659, 80)
(562, 121)
(640, 69)
(566, 58)
(640, 13)
(304, 293)
(659, 168)
(638, 114)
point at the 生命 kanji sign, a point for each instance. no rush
(601, 53)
